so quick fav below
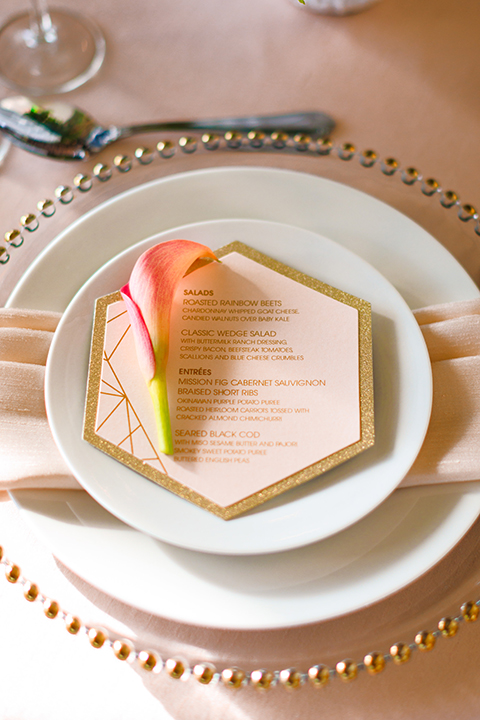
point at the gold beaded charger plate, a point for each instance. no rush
(315, 510)
(389, 548)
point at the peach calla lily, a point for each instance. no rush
(148, 297)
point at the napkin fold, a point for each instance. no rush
(451, 452)
(28, 455)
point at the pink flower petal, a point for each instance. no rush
(143, 344)
(153, 283)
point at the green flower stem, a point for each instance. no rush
(158, 391)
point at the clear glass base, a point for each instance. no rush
(68, 52)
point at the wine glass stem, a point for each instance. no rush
(41, 26)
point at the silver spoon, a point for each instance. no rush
(62, 131)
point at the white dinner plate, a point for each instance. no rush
(386, 550)
(315, 510)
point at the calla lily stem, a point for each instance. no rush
(158, 392)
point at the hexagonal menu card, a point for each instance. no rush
(269, 377)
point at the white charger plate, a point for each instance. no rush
(315, 510)
(388, 549)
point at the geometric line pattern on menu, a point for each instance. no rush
(116, 402)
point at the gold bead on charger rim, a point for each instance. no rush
(430, 186)
(400, 653)
(256, 138)
(279, 139)
(204, 673)
(449, 199)
(83, 182)
(233, 138)
(302, 142)
(29, 222)
(46, 207)
(346, 151)
(14, 238)
(347, 670)
(149, 661)
(262, 679)
(290, 678)
(466, 212)
(324, 146)
(188, 144)
(12, 573)
(144, 155)
(448, 626)
(51, 608)
(175, 668)
(122, 649)
(123, 163)
(233, 677)
(425, 640)
(97, 637)
(319, 675)
(211, 141)
(102, 172)
(64, 194)
(72, 624)
(374, 663)
(166, 148)
(30, 591)
(368, 158)
(469, 611)
(389, 166)
(410, 175)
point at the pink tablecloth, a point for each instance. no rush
(399, 78)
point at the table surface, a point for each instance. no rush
(400, 78)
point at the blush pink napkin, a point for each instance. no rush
(28, 454)
(451, 452)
